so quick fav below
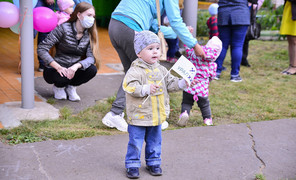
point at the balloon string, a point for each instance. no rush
(19, 40)
(20, 26)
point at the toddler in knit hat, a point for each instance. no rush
(147, 84)
(66, 9)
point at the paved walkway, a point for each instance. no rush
(226, 152)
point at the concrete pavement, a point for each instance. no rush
(226, 152)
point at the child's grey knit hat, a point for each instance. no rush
(143, 39)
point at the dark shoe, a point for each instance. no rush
(236, 79)
(245, 63)
(178, 54)
(154, 170)
(132, 173)
(41, 68)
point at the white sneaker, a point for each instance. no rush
(71, 91)
(111, 120)
(59, 93)
(164, 125)
(208, 121)
(183, 119)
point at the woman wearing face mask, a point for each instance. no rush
(77, 51)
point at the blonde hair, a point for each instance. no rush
(93, 33)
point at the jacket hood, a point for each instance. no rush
(141, 63)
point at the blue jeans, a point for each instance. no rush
(173, 45)
(152, 137)
(235, 37)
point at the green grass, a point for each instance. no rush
(259, 177)
(264, 94)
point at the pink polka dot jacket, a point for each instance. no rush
(206, 70)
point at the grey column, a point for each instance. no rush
(190, 14)
(27, 54)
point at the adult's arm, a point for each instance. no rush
(89, 60)
(179, 27)
(53, 38)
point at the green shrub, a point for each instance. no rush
(202, 27)
(268, 18)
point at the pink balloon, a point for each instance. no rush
(9, 14)
(44, 19)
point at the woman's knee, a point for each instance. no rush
(92, 70)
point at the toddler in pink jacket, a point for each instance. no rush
(66, 9)
(206, 71)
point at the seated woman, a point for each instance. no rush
(77, 52)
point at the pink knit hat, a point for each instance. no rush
(64, 4)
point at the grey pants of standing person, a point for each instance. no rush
(122, 39)
(203, 104)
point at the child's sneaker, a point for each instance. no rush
(208, 121)
(154, 170)
(183, 119)
(217, 77)
(132, 173)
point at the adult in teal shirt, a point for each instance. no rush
(132, 16)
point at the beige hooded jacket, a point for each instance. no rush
(156, 109)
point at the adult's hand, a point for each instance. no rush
(72, 70)
(61, 70)
(199, 51)
(49, 2)
(190, 28)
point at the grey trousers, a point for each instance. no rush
(122, 39)
(203, 104)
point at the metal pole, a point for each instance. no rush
(27, 53)
(190, 14)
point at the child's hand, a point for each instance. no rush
(194, 82)
(153, 88)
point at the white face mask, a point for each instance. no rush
(87, 22)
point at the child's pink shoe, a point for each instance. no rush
(208, 121)
(183, 119)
